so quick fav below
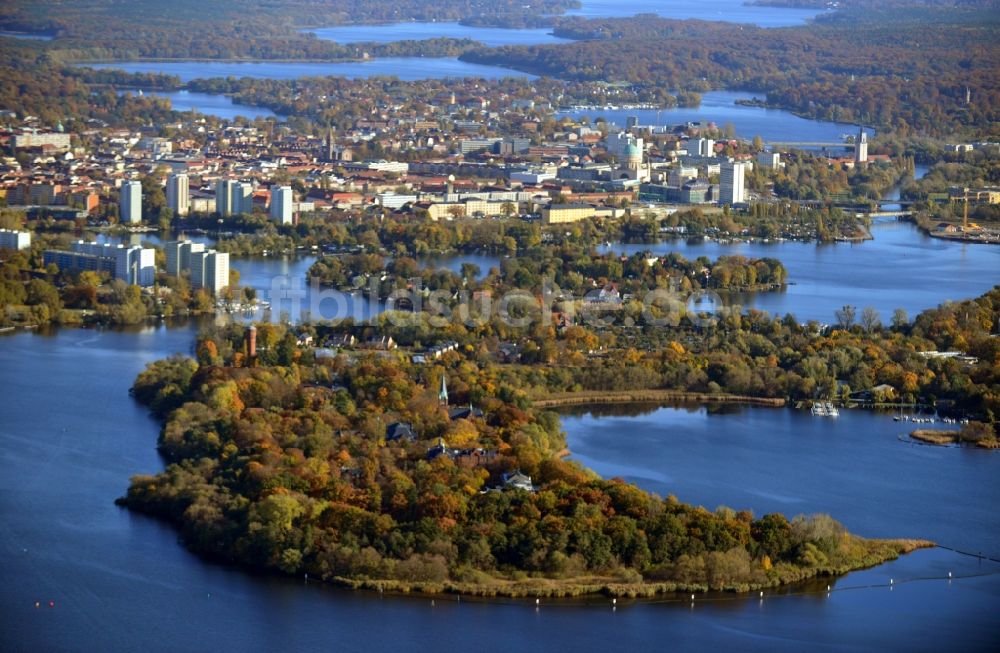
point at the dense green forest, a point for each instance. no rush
(903, 71)
(574, 270)
(36, 85)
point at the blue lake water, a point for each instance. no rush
(210, 104)
(720, 107)
(854, 467)
(731, 11)
(405, 68)
(26, 36)
(901, 268)
(416, 31)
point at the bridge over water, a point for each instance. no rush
(890, 214)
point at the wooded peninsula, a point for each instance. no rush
(375, 469)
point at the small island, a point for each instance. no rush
(974, 434)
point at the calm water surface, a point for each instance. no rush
(26, 36)
(210, 104)
(783, 460)
(417, 31)
(405, 68)
(719, 107)
(733, 11)
(123, 582)
(730, 11)
(901, 268)
(282, 281)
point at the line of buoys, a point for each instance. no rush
(969, 553)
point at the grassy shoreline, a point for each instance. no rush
(943, 438)
(875, 552)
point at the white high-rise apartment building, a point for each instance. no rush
(135, 265)
(769, 160)
(179, 255)
(243, 201)
(130, 202)
(732, 183)
(281, 204)
(225, 192)
(178, 194)
(210, 270)
(10, 239)
(233, 197)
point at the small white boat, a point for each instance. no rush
(825, 409)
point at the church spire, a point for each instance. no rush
(443, 393)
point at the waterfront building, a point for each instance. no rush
(130, 202)
(10, 239)
(179, 255)
(210, 270)
(178, 194)
(134, 265)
